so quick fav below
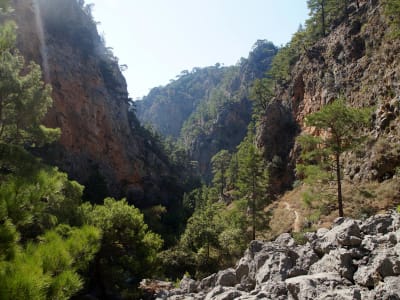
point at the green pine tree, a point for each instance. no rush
(220, 165)
(339, 127)
(253, 177)
(24, 98)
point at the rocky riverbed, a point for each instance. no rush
(352, 260)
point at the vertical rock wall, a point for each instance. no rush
(100, 138)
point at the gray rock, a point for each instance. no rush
(215, 292)
(188, 285)
(181, 297)
(223, 293)
(285, 239)
(377, 224)
(321, 232)
(276, 266)
(388, 290)
(243, 268)
(350, 265)
(312, 286)
(338, 260)
(254, 247)
(245, 273)
(226, 277)
(369, 242)
(305, 258)
(208, 282)
(351, 293)
(275, 289)
(229, 294)
(345, 232)
(382, 263)
(310, 236)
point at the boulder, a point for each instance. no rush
(188, 285)
(276, 266)
(305, 258)
(275, 289)
(208, 282)
(217, 290)
(382, 263)
(245, 272)
(345, 232)
(311, 286)
(377, 224)
(329, 266)
(223, 293)
(285, 239)
(351, 293)
(338, 260)
(229, 295)
(226, 277)
(388, 290)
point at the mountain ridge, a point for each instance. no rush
(208, 108)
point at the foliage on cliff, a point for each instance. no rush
(322, 155)
(52, 246)
(226, 215)
(208, 109)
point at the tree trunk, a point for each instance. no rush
(254, 218)
(339, 185)
(323, 18)
(253, 196)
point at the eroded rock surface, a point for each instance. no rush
(329, 266)
(102, 140)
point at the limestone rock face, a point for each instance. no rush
(357, 61)
(100, 137)
(227, 131)
(208, 109)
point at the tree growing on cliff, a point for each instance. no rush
(24, 98)
(261, 94)
(323, 14)
(318, 13)
(339, 127)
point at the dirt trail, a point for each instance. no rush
(296, 224)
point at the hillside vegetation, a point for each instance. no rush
(207, 109)
(287, 140)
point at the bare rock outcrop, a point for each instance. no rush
(282, 269)
(357, 61)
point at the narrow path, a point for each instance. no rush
(296, 224)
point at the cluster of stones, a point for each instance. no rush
(353, 260)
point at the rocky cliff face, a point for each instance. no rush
(208, 109)
(226, 132)
(358, 61)
(101, 140)
(167, 108)
(352, 260)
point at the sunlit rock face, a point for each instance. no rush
(359, 61)
(101, 142)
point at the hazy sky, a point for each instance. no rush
(158, 39)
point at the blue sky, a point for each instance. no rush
(158, 39)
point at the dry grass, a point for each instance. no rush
(360, 201)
